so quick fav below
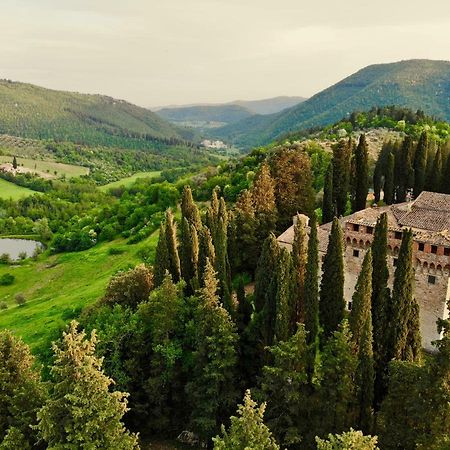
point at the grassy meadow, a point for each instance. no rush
(128, 181)
(10, 190)
(56, 287)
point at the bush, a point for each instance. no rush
(23, 255)
(20, 299)
(115, 251)
(3, 305)
(7, 279)
(5, 258)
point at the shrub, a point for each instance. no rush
(7, 279)
(3, 305)
(23, 255)
(5, 258)
(115, 251)
(20, 299)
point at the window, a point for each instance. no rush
(398, 235)
(369, 230)
(394, 261)
(356, 253)
(447, 251)
(355, 227)
(434, 249)
(421, 246)
(431, 279)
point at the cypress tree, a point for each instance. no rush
(285, 305)
(361, 182)
(377, 179)
(404, 331)
(189, 209)
(404, 172)
(328, 209)
(162, 262)
(81, 411)
(420, 164)
(172, 247)
(445, 177)
(435, 182)
(389, 180)
(342, 153)
(361, 301)
(14, 163)
(206, 251)
(299, 260)
(365, 376)
(332, 303)
(312, 285)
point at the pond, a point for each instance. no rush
(14, 247)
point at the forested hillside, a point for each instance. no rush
(416, 84)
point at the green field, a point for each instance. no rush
(53, 168)
(55, 287)
(128, 181)
(10, 190)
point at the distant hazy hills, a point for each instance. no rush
(35, 112)
(416, 84)
(216, 115)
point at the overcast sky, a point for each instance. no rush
(159, 52)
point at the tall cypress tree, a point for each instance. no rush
(332, 303)
(206, 251)
(404, 330)
(435, 181)
(312, 285)
(361, 182)
(389, 180)
(342, 153)
(445, 177)
(420, 164)
(377, 179)
(162, 262)
(172, 247)
(299, 259)
(328, 208)
(404, 172)
(189, 209)
(361, 300)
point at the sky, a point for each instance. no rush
(164, 52)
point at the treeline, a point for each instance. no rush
(407, 168)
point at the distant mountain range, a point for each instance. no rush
(31, 111)
(216, 115)
(416, 84)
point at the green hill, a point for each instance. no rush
(35, 112)
(416, 84)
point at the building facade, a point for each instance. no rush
(429, 219)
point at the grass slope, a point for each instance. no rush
(35, 112)
(57, 286)
(416, 84)
(128, 181)
(10, 190)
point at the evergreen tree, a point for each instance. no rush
(420, 164)
(285, 304)
(189, 255)
(212, 389)
(328, 208)
(404, 172)
(435, 181)
(222, 263)
(189, 209)
(15, 440)
(299, 261)
(445, 177)
(404, 332)
(361, 182)
(332, 303)
(14, 163)
(81, 412)
(377, 181)
(350, 440)
(389, 180)
(361, 300)
(247, 431)
(342, 153)
(311, 296)
(172, 247)
(206, 250)
(162, 262)
(21, 392)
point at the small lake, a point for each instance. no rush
(13, 247)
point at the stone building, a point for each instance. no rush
(429, 218)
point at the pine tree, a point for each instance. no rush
(365, 376)
(328, 209)
(332, 303)
(361, 300)
(299, 261)
(172, 247)
(247, 431)
(211, 389)
(312, 284)
(21, 392)
(162, 262)
(420, 164)
(389, 180)
(342, 153)
(361, 182)
(285, 304)
(404, 331)
(81, 412)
